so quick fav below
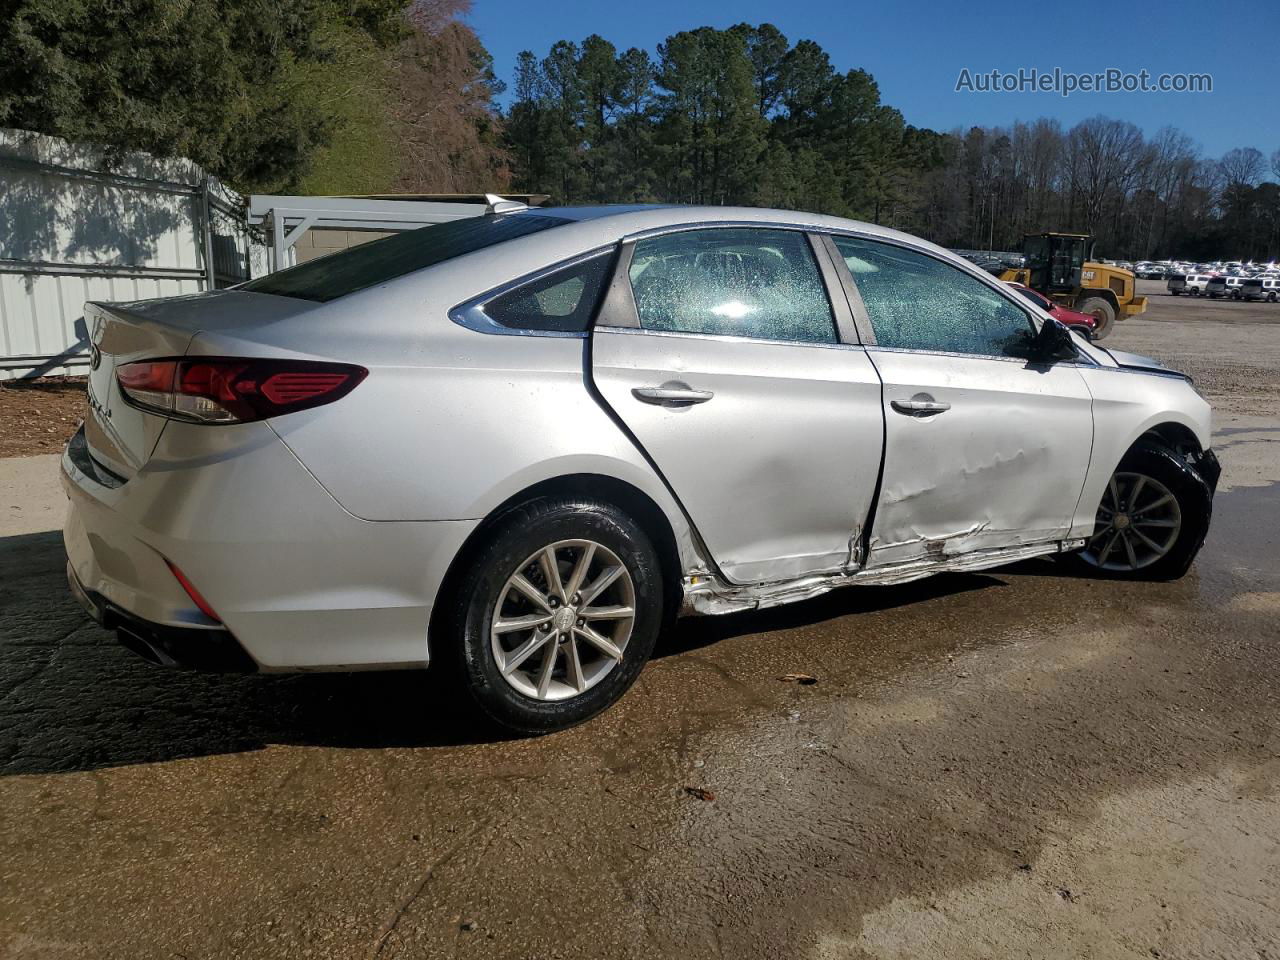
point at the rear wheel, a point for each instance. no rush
(1152, 519)
(1101, 310)
(557, 614)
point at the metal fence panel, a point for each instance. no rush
(78, 224)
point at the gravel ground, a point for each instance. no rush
(1014, 763)
(37, 416)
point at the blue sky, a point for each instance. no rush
(917, 50)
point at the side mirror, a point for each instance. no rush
(1053, 343)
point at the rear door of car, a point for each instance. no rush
(724, 353)
(983, 449)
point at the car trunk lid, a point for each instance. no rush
(119, 436)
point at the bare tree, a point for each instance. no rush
(1242, 166)
(1104, 154)
(445, 116)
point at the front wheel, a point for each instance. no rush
(557, 613)
(1152, 519)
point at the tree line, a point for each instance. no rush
(372, 96)
(743, 116)
(306, 96)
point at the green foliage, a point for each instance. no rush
(359, 154)
(743, 116)
(720, 116)
(226, 84)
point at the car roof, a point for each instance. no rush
(639, 217)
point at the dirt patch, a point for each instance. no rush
(37, 416)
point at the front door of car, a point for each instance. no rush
(983, 449)
(721, 352)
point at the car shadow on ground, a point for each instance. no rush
(72, 699)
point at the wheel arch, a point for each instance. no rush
(673, 542)
(1171, 427)
(1173, 434)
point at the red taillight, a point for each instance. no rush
(192, 592)
(234, 390)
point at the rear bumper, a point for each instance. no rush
(212, 649)
(296, 582)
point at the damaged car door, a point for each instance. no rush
(984, 449)
(721, 351)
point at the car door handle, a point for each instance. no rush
(672, 394)
(921, 405)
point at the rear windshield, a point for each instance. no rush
(377, 262)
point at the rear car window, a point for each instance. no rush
(562, 301)
(742, 282)
(1034, 297)
(370, 264)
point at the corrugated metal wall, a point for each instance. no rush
(76, 226)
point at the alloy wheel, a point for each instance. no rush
(563, 619)
(1138, 523)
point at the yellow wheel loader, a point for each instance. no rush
(1059, 267)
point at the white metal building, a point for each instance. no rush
(78, 223)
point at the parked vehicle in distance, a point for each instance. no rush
(1073, 320)
(1251, 288)
(1188, 283)
(1233, 287)
(517, 446)
(1147, 270)
(1215, 287)
(1271, 289)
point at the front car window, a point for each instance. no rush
(391, 257)
(732, 281)
(917, 302)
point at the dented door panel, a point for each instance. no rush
(778, 466)
(1003, 464)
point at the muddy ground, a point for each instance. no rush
(1015, 763)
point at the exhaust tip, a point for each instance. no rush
(136, 644)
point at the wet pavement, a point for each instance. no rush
(1018, 762)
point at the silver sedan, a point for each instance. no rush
(517, 446)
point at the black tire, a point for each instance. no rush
(1194, 497)
(1175, 292)
(514, 538)
(1102, 310)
